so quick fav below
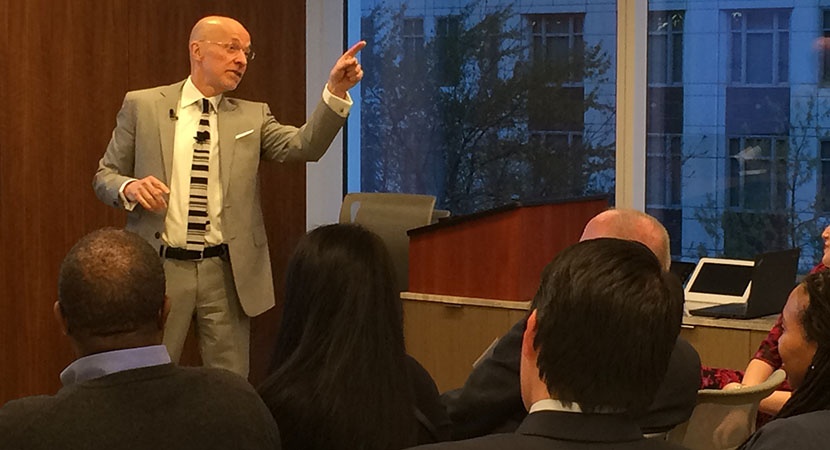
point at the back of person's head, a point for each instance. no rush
(632, 225)
(340, 356)
(813, 393)
(111, 284)
(606, 325)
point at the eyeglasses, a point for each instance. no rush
(233, 48)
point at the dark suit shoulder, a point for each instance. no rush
(806, 431)
(677, 395)
(524, 442)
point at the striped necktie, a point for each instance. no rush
(197, 215)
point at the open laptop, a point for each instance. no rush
(769, 282)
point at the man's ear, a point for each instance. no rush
(164, 312)
(195, 51)
(528, 350)
(60, 318)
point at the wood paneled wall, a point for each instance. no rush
(66, 65)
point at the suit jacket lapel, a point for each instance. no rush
(228, 122)
(167, 127)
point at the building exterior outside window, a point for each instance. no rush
(515, 100)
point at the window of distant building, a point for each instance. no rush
(758, 109)
(557, 49)
(759, 47)
(665, 47)
(823, 197)
(413, 35)
(758, 172)
(825, 50)
(447, 47)
(557, 41)
(664, 122)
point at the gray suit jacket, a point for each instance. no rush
(142, 145)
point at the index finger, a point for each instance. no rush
(355, 49)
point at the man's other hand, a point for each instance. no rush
(149, 192)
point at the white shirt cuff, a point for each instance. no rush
(338, 105)
(128, 205)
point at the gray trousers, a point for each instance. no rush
(204, 292)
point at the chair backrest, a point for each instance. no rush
(724, 419)
(390, 215)
(440, 214)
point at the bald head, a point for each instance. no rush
(213, 27)
(219, 51)
(631, 225)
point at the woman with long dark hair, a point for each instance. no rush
(804, 346)
(341, 378)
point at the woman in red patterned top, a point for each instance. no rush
(765, 361)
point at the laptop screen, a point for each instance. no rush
(717, 280)
(722, 279)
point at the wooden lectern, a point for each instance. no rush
(472, 277)
(496, 254)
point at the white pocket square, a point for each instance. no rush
(243, 134)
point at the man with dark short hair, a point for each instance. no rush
(123, 392)
(603, 320)
(490, 400)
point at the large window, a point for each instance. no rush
(484, 103)
(735, 120)
(516, 101)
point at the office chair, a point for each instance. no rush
(724, 419)
(390, 216)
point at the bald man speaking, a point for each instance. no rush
(183, 162)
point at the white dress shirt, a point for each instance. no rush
(188, 115)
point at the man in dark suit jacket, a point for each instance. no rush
(603, 324)
(222, 276)
(490, 400)
(123, 392)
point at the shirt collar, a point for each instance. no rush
(191, 95)
(101, 364)
(550, 404)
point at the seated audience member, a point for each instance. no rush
(342, 378)
(490, 400)
(603, 321)
(804, 345)
(766, 360)
(123, 392)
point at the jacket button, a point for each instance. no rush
(157, 235)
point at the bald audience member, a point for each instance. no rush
(603, 320)
(123, 392)
(490, 400)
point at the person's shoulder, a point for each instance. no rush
(17, 416)
(492, 441)
(805, 431)
(220, 378)
(245, 103)
(24, 406)
(152, 93)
